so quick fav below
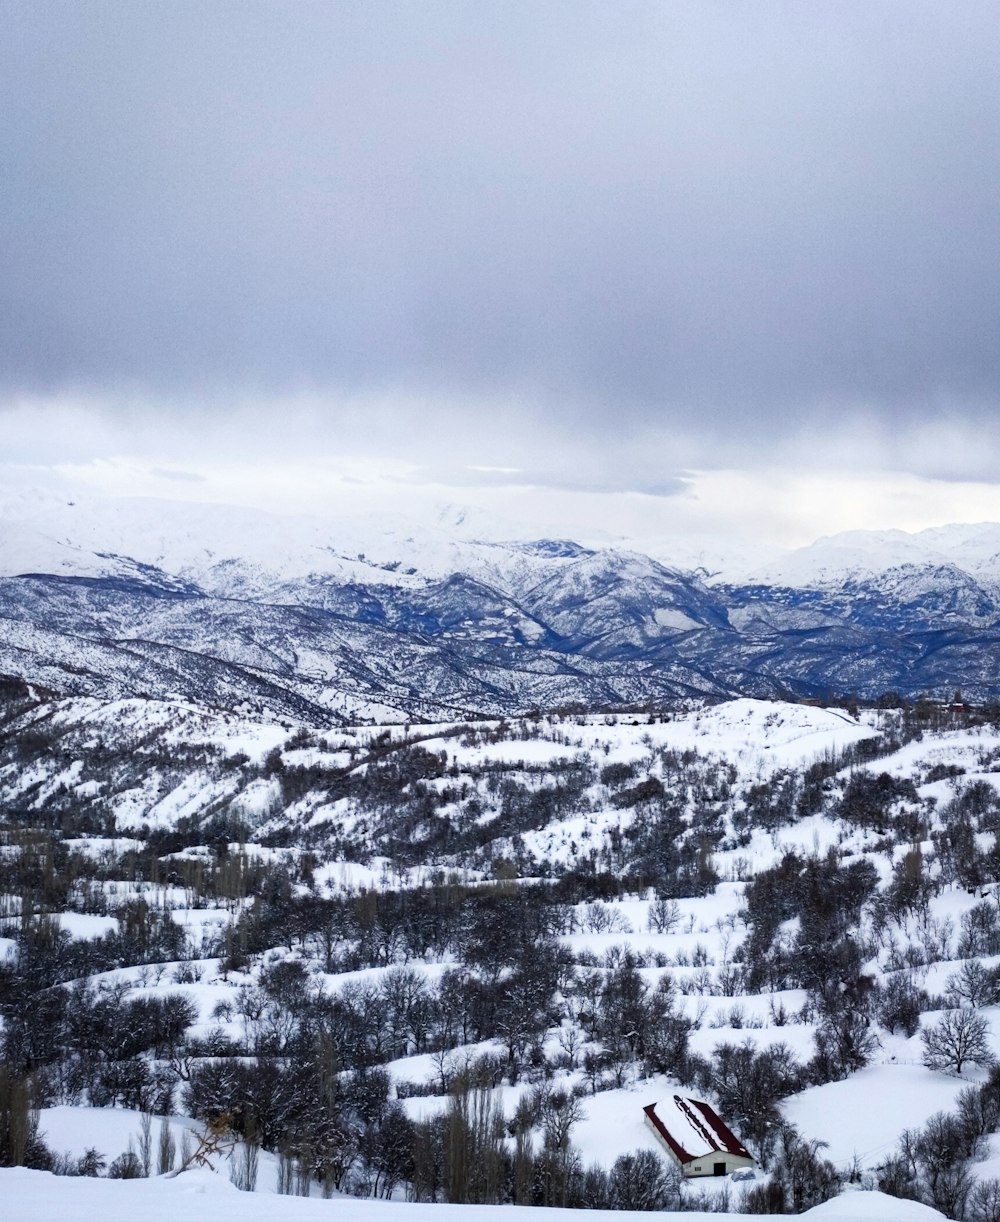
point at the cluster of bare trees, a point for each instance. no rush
(934, 1163)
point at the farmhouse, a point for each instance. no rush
(696, 1137)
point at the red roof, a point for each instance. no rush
(693, 1129)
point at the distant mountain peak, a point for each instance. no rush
(310, 614)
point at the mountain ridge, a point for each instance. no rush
(320, 619)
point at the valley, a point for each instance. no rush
(453, 960)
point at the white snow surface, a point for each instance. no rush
(36, 1196)
(865, 1115)
(860, 554)
(222, 546)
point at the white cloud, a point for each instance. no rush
(314, 453)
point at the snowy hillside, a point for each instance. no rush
(30, 1196)
(373, 616)
(857, 555)
(219, 547)
(412, 862)
(548, 921)
(236, 551)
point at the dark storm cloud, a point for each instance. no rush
(725, 216)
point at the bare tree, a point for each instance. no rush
(146, 1142)
(474, 1146)
(974, 985)
(570, 1041)
(216, 1139)
(166, 1148)
(643, 1181)
(664, 916)
(984, 1202)
(959, 1039)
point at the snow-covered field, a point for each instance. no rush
(716, 755)
(34, 1196)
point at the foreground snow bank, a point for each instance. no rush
(869, 1207)
(36, 1196)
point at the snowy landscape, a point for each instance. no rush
(499, 610)
(379, 618)
(519, 931)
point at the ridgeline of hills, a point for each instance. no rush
(320, 621)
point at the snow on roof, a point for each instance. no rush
(693, 1129)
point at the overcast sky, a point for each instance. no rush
(567, 256)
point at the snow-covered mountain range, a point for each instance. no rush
(316, 618)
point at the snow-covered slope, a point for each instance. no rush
(467, 807)
(36, 1196)
(314, 616)
(858, 555)
(248, 553)
(155, 781)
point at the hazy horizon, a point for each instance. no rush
(728, 272)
